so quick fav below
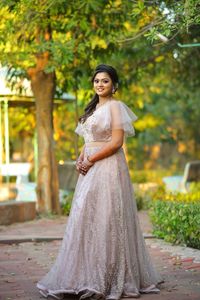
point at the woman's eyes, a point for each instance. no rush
(104, 81)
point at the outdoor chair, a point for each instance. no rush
(20, 170)
(182, 183)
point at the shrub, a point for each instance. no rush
(143, 198)
(139, 200)
(176, 217)
(142, 176)
(66, 205)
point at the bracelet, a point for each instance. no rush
(88, 162)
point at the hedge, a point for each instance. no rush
(176, 217)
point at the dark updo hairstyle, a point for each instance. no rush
(95, 100)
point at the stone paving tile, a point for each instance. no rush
(180, 252)
(54, 226)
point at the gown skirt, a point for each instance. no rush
(103, 253)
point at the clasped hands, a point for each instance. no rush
(83, 165)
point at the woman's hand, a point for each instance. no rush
(85, 165)
(82, 167)
(80, 160)
(79, 164)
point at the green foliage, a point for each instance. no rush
(66, 205)
(195, 188)
(169, 17)
(144, 176)
(64, 135)
(22, 121)
(142, 198)
(71, 33)
(176, 217)
(139, 201)
(48, 215)
(192, 196)
(158, 80)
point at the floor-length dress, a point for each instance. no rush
(103, 253)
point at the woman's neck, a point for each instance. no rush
(104, 99)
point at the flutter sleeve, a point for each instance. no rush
(122, 118)
(79, 129)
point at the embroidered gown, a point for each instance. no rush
(103, 252)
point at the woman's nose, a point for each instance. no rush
(100, 83)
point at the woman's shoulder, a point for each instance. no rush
(122, 108)
(117, 102)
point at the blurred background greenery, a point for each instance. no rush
(155, 47)
(159, 80)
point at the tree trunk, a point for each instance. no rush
(43, 87)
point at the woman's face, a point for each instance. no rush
(103, 84)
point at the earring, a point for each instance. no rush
(115, 88)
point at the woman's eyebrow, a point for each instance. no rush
(102, 78)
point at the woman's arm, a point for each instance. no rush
(110, 147)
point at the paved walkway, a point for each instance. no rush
(23, 263)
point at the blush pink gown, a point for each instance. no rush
(103, 253)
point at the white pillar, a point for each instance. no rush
(1, 137)
(6, 126)
(35, 155)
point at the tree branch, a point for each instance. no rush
(144, 29)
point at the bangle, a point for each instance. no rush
(88, 162)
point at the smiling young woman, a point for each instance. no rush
(103, 86)
(103, 253)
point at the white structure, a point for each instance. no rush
(8, 97)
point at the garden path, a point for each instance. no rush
(23, 263)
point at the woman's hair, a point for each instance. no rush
(92, 104)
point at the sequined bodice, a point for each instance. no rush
(93, 131)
